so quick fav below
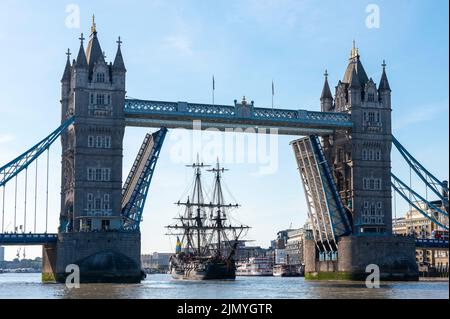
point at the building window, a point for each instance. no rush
(377, 184)
(371, 154)
(371, 183)
(90, 174)
(108, 99)
(100, 99)
(101, 77)
(90, 141)
(378, 155)
(99, 142)
(106, 202)
(98, 203)
(106, 174)
(371, 97)
(90, 198)
(92, 98)
(98, 174)
(107, 141)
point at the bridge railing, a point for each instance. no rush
(143, 107)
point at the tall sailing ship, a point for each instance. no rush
(208, 241)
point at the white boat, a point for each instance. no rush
(283, 270)
(256, 266)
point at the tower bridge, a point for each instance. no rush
(344, 163)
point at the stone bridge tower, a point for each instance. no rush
(90, 231)
(361, 159)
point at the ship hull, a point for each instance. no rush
(200, 271)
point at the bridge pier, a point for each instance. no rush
(101, 257)
(395, 257)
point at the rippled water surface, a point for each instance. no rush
(163, 286)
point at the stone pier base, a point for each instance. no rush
(102, 257)
(395, 257)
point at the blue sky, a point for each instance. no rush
(172, 48)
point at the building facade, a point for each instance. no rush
(418, 226)
(294, 247)
(2, 253)
(156, 260)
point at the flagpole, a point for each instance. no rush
(213, 89)
(273, 92)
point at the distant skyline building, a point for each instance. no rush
(2, 253)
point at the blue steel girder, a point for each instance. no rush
(427, 243)
(429, 179)
(10, 170)
(22, 239)
(133, 209)
(338, 215)
(401, 188)
(182, 114)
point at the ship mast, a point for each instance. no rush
(196, 225)
(218, 203)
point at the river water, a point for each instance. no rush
(22, 286)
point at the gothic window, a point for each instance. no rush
(98, 203)
(377, 117)
(101, 77)
(98, 142)
(377, 184)
(372, 210)
(106, 202)
(378, 155)
(98, 174)
(90, 198)
(92, 98)
(371, 97)
(371, 154)
(90, 174)
(106, 174)
(100, 99)
(108, 99)
(371, 116)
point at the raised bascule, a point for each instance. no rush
(344, 164)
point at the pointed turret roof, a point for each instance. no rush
(326, 92)
(67, 69)
(384, 83)
(119, 65)
(355, 64)
(94, 52)
(81, 57)
(354, 80)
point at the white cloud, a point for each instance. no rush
(180, 43)
(422, 114)
(6, 138)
